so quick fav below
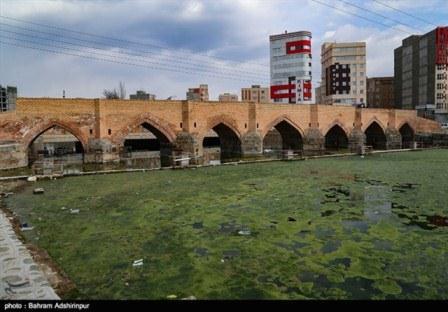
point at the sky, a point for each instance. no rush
(167, 46)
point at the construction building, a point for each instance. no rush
(8, 97)
(198, 94)
(142, 95)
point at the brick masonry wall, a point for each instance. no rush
(101, 125)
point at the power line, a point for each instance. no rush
(405, 13)
(141, 52)
(360, 16)
(143, 59)
(128, 41)
(119, 62)
(378, 14)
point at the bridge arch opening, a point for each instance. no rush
(148, 144)
(336, 138)
(55, 146)
(375, 136)
(283, 136)
(407, 136)
(221, 144)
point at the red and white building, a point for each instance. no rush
(291, 67)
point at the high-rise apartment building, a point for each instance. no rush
(291, 67)
(343, 73)
(228, 97)
(421, 74)
(255, 94)
(380, 92)
(198, 94)
(8, 97)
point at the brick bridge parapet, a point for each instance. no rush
(102, 125)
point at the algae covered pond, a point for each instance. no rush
(372, 228)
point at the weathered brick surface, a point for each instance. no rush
(102, 125)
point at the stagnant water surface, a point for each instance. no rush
(372, 228)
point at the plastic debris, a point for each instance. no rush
(171, 297)
(32, 179)
(38, 190)
(25, 227)
(74, 211)
(244, 232)
(189, 298)
(138, 262)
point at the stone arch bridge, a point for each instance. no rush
(181, 126)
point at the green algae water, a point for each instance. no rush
(345, 228)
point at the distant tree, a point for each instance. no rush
(114, 94)
(111, 94)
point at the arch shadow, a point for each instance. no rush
(375, 136)
(66, 151)
(336, 138)
(407, 135)
(226, 143)
(283, 135)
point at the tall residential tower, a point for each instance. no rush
(291, 67)
(343, 73)
(421, 74)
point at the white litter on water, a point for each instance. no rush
(138, 262)
(244, 232)
(32, 179)
(73, 211)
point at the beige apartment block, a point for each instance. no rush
(343, 73)
(255, 94)
(228, 97)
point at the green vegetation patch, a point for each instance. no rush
(357, 228)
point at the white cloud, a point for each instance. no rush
(229, 29)
(192, 10)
